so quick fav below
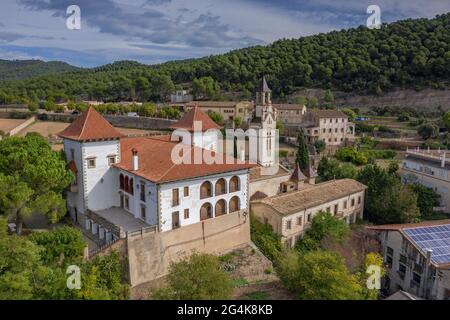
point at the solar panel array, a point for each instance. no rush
(436, 238)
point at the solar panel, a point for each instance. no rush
(436, 238)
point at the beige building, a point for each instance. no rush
(330, 126)
(290, 214)
(431, 169)
(290, 113)
(417, 258)
(228, 109)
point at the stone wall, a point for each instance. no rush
(118, 121)
(22, 126)
(150, 254)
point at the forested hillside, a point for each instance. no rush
(24, 69)
(413, 53)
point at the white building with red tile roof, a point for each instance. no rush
(124, 184)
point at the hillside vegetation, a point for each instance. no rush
(413, 53)
(24, 69)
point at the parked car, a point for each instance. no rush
(132, 114)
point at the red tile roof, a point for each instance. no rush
(90, 125)
(155, 163)
(195, 114)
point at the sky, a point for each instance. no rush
(155, 31)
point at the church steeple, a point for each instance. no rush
(263, 93)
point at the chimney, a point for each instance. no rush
(443, 160)
(135, 161)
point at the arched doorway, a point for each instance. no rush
(221, 208)
(206, 190)
(221, 187)
(235, 184)
(235, 204)
(206, 211)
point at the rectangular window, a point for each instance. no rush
(390, 251)
(142, 191)
(175, 198)
(353, 202)
(389, 261)
(345, 204)
(336, 208)
(359, 200)
(299, 220)
(309, 217)
(288, 224)
(186, 191)
(111, 160)
(328, 209)
(416, 279)
(91, 163)
(72, 154)
(186, 213)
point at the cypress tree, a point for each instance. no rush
(302, 156)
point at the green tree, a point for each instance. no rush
(267, 241)
(237, 122)
(64, 243)
(320, 146)
(427, 199)
(205, 88)
(387, 200)
(216, 117)
(196, 278)
(40, 175)
(319, 275)
(350, 113)
(323, 226)
(446, 120)
(428, 130)
(302, 155)
(330, 168)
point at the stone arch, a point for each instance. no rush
(122, 182)
(221, 208)
(206, 211)
(235, 204)
(221, 187)
(131, 186)
(206, 190)
(127, 184)
(235, 184)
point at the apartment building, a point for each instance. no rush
(430, 168)
(417, 257)
(330, 126)
(290, 113)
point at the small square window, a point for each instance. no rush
(91, 163)
(111, 160)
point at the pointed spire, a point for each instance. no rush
(297, 174)
(263, 87)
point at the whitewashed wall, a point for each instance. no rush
(193, 201)
(101, 183)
